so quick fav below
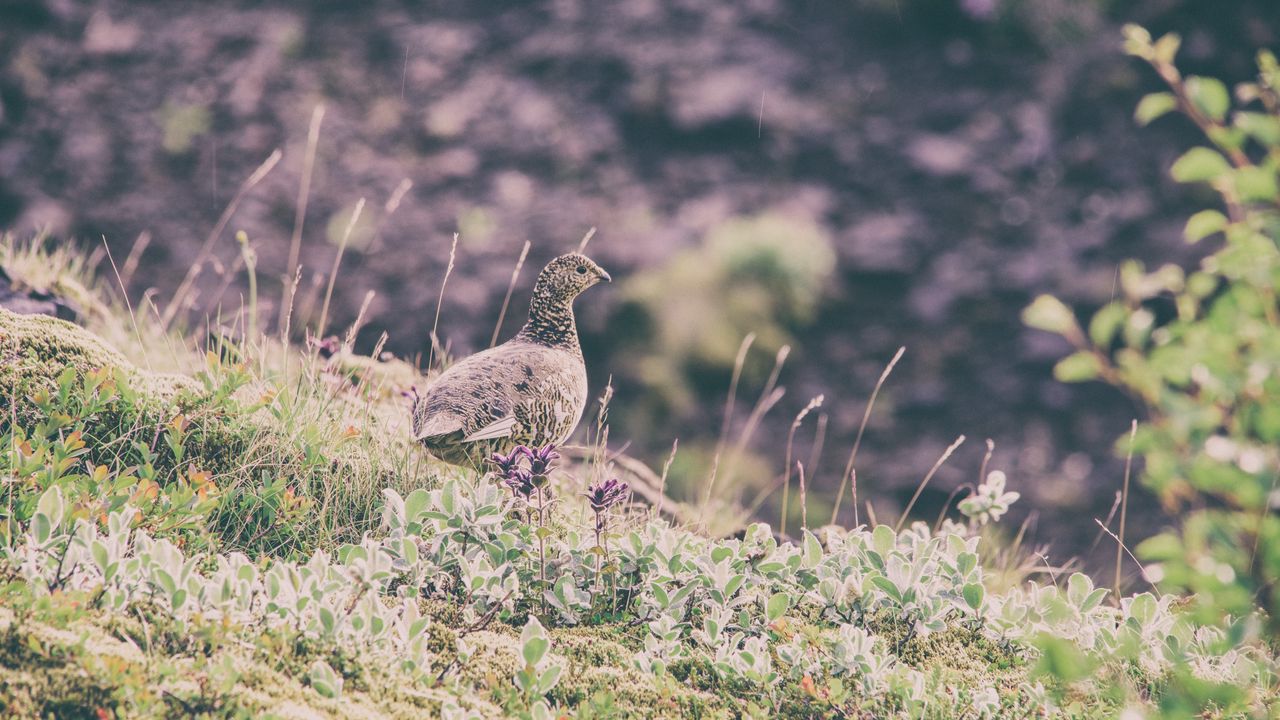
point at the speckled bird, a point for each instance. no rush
(530, 390)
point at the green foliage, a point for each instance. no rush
(761, 275)
(271, 458)
(1202, 351)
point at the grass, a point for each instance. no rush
(160, 496)
(331, 430)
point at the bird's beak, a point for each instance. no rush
(604, 275)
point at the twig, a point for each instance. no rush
(488, 617)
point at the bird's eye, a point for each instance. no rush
(582, 269)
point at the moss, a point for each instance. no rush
(36, 349)
(599, 669)
(95, 662)
(336, 452)
(598, 673)
(964, 657)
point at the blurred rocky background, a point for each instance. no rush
(841, 176)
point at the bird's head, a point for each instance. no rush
(568, 275)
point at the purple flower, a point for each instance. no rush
(411, 395)
(540, 460)
(520, 482)
(510, 463)
(327, 347)
(606, 494)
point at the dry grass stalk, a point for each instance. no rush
(815, 403)
(1124, 505)
(506, 300)
(184, 288)
(849, 477)
(300, 211)
(333, 271)
(920, 488)
(125, 274)
(582, 246)
(435, 324)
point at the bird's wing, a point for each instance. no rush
(500, 429)
(439, 425)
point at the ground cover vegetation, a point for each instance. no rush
(209, 521)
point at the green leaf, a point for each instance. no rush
(1203, 224)
(325, 680)
(1166, 47)
(1209, 95)
(550, 677)
(1153, 106)
(1202, 284)
(534, 649)
(887, 586)
(41, 527)
(883, 539)
(1078, 367)
(99, 552)
(1061, 659)
(1165, 546)
(1079, 586)
(1199, 164)
(51, 505)
(1260, 126)
(1137, 41)
(1106, 322)
(1256, 184)
(1049, 313)
(661, 595)
(1227, 138)
(1093, 600)
(973, 594)
(414, 505)
(1143, 608)
(812, 551)
(166, 581)
(777, 606)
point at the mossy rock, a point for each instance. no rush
(243, 449)
(36, 349)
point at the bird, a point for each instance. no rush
(530, 390)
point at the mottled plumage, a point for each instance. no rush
(530, 390)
